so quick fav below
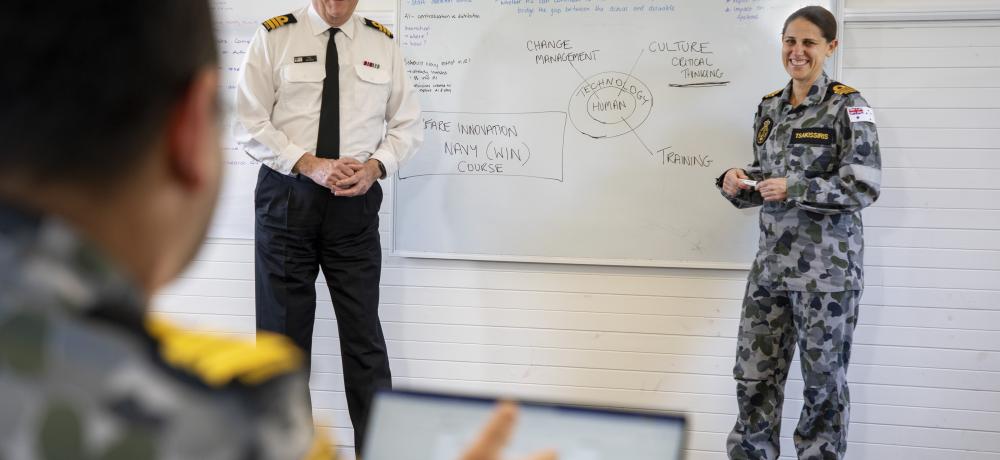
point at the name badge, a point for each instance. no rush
(301, 59)
(814, 136)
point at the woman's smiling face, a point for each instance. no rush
(804, 50)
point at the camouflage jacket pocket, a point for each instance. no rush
(816, 161)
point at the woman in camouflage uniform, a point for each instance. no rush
(817, 164)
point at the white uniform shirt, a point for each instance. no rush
(278, 99)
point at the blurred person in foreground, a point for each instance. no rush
(111, 169)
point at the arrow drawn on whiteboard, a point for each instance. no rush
(637, 136)
(577, 71)
(629, 74)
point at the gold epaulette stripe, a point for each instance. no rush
(218, 361)
(842, 89)
(375, 25)
(279, 21)
(773, 93)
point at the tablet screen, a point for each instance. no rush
(421, 426)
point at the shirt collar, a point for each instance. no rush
(319, 26)
(816, 93)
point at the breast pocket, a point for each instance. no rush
(820, 161)
(372, 92)
(301, 85)
(814, 151)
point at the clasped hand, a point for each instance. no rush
(343, 176)
(774, 189)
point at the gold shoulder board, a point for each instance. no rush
(279, 21)
(773, 93)
(218, 361)
(841, 89)
(379, 27)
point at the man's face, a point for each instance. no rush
(335, 12)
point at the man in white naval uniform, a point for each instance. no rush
(325, 104)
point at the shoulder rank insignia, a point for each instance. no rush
(773, 93)
(279, 21)
(841, 89)
(375, 25)
(218, 361)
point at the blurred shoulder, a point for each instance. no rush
(260, 383)
(217, 361)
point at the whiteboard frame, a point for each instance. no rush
(835, 67)
(917, 14)
(572, 260)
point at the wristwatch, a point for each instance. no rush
(381, 168)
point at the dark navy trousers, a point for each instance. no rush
(302, 228)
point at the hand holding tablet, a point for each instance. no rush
(409, 425)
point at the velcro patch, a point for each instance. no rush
(815, 136)
(859, 114)
(301, 59)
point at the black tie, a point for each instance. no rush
(328, 141)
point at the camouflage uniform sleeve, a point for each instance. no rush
(746, 198)
(265, 378)
(283, 425)
(855, 185)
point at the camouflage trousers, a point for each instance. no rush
(773, 322)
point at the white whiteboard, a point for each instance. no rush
(584, 131)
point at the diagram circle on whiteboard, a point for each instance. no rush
(610, 104)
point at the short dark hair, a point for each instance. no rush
(91, 83)
(819, 16)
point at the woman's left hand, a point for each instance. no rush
(773, 189)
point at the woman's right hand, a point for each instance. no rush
(731, 184)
